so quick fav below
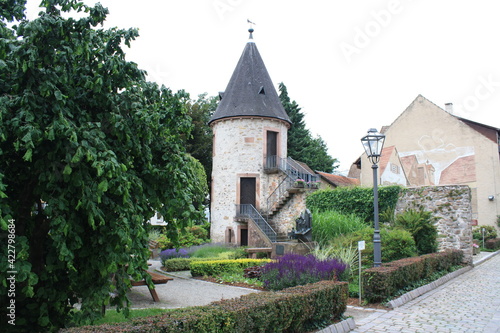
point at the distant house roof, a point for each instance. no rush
(337, 180)
(250, 91)
(490, 132)
(459, 172)
(385, 157)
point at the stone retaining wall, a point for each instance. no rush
(451, 204)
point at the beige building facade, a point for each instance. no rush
(431, 146)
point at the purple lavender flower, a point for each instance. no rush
(293, 270)
(173, 253)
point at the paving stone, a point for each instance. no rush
(468, 302)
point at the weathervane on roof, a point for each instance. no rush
(250, 30)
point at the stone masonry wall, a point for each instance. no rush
(452, 206)
(285, 219)
(239, 150)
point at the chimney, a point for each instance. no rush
(448, 107)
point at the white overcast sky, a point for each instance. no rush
(350, 65)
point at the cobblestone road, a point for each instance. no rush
(468, 303)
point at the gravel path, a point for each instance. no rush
(183, 291)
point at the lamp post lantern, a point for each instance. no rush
(373, 143)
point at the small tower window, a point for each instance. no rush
(262, 91)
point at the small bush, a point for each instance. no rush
(254, 272)
(294, 270)
(189, 236)
(396, 244)
(420, 224)
(492, 244)
(489, 232)
(181, 264)
(217, 267)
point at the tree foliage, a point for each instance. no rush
(302, 146)
(199, 144)
(89, 151)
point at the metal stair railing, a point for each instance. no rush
(293, 171)
(249, 211)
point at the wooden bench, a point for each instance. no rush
(157, 279)
(254, 250)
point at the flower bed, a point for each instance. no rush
(293, 270)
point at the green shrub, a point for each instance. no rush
(181, 264)
(353, 200)
(380, 283)
(189, 236)
(299, 309)
(489, 232)
(420, 224)
(217, 267)
(396, 244)
(330, 224)
(492, 244)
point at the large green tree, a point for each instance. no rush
(302, 146)
(200, 143)
(89, 151)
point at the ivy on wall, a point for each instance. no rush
(356, 200)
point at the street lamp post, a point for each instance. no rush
(373, 143)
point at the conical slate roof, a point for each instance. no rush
(250, 92)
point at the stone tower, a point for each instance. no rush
(250, 144)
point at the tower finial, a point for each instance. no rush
(250, 30)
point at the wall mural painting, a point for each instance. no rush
(439, 163)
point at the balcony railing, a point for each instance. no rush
(249, 211)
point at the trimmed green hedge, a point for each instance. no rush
(380, 283)
(297, 309)
(493, 244)
(182, 264)
(216, 267)
(355, 200)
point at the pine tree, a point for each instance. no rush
(301, 144)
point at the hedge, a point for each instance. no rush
(493, 244)
(355, 200)
(181, 264)
(382, 282)
(216, 267)
(297, 309)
